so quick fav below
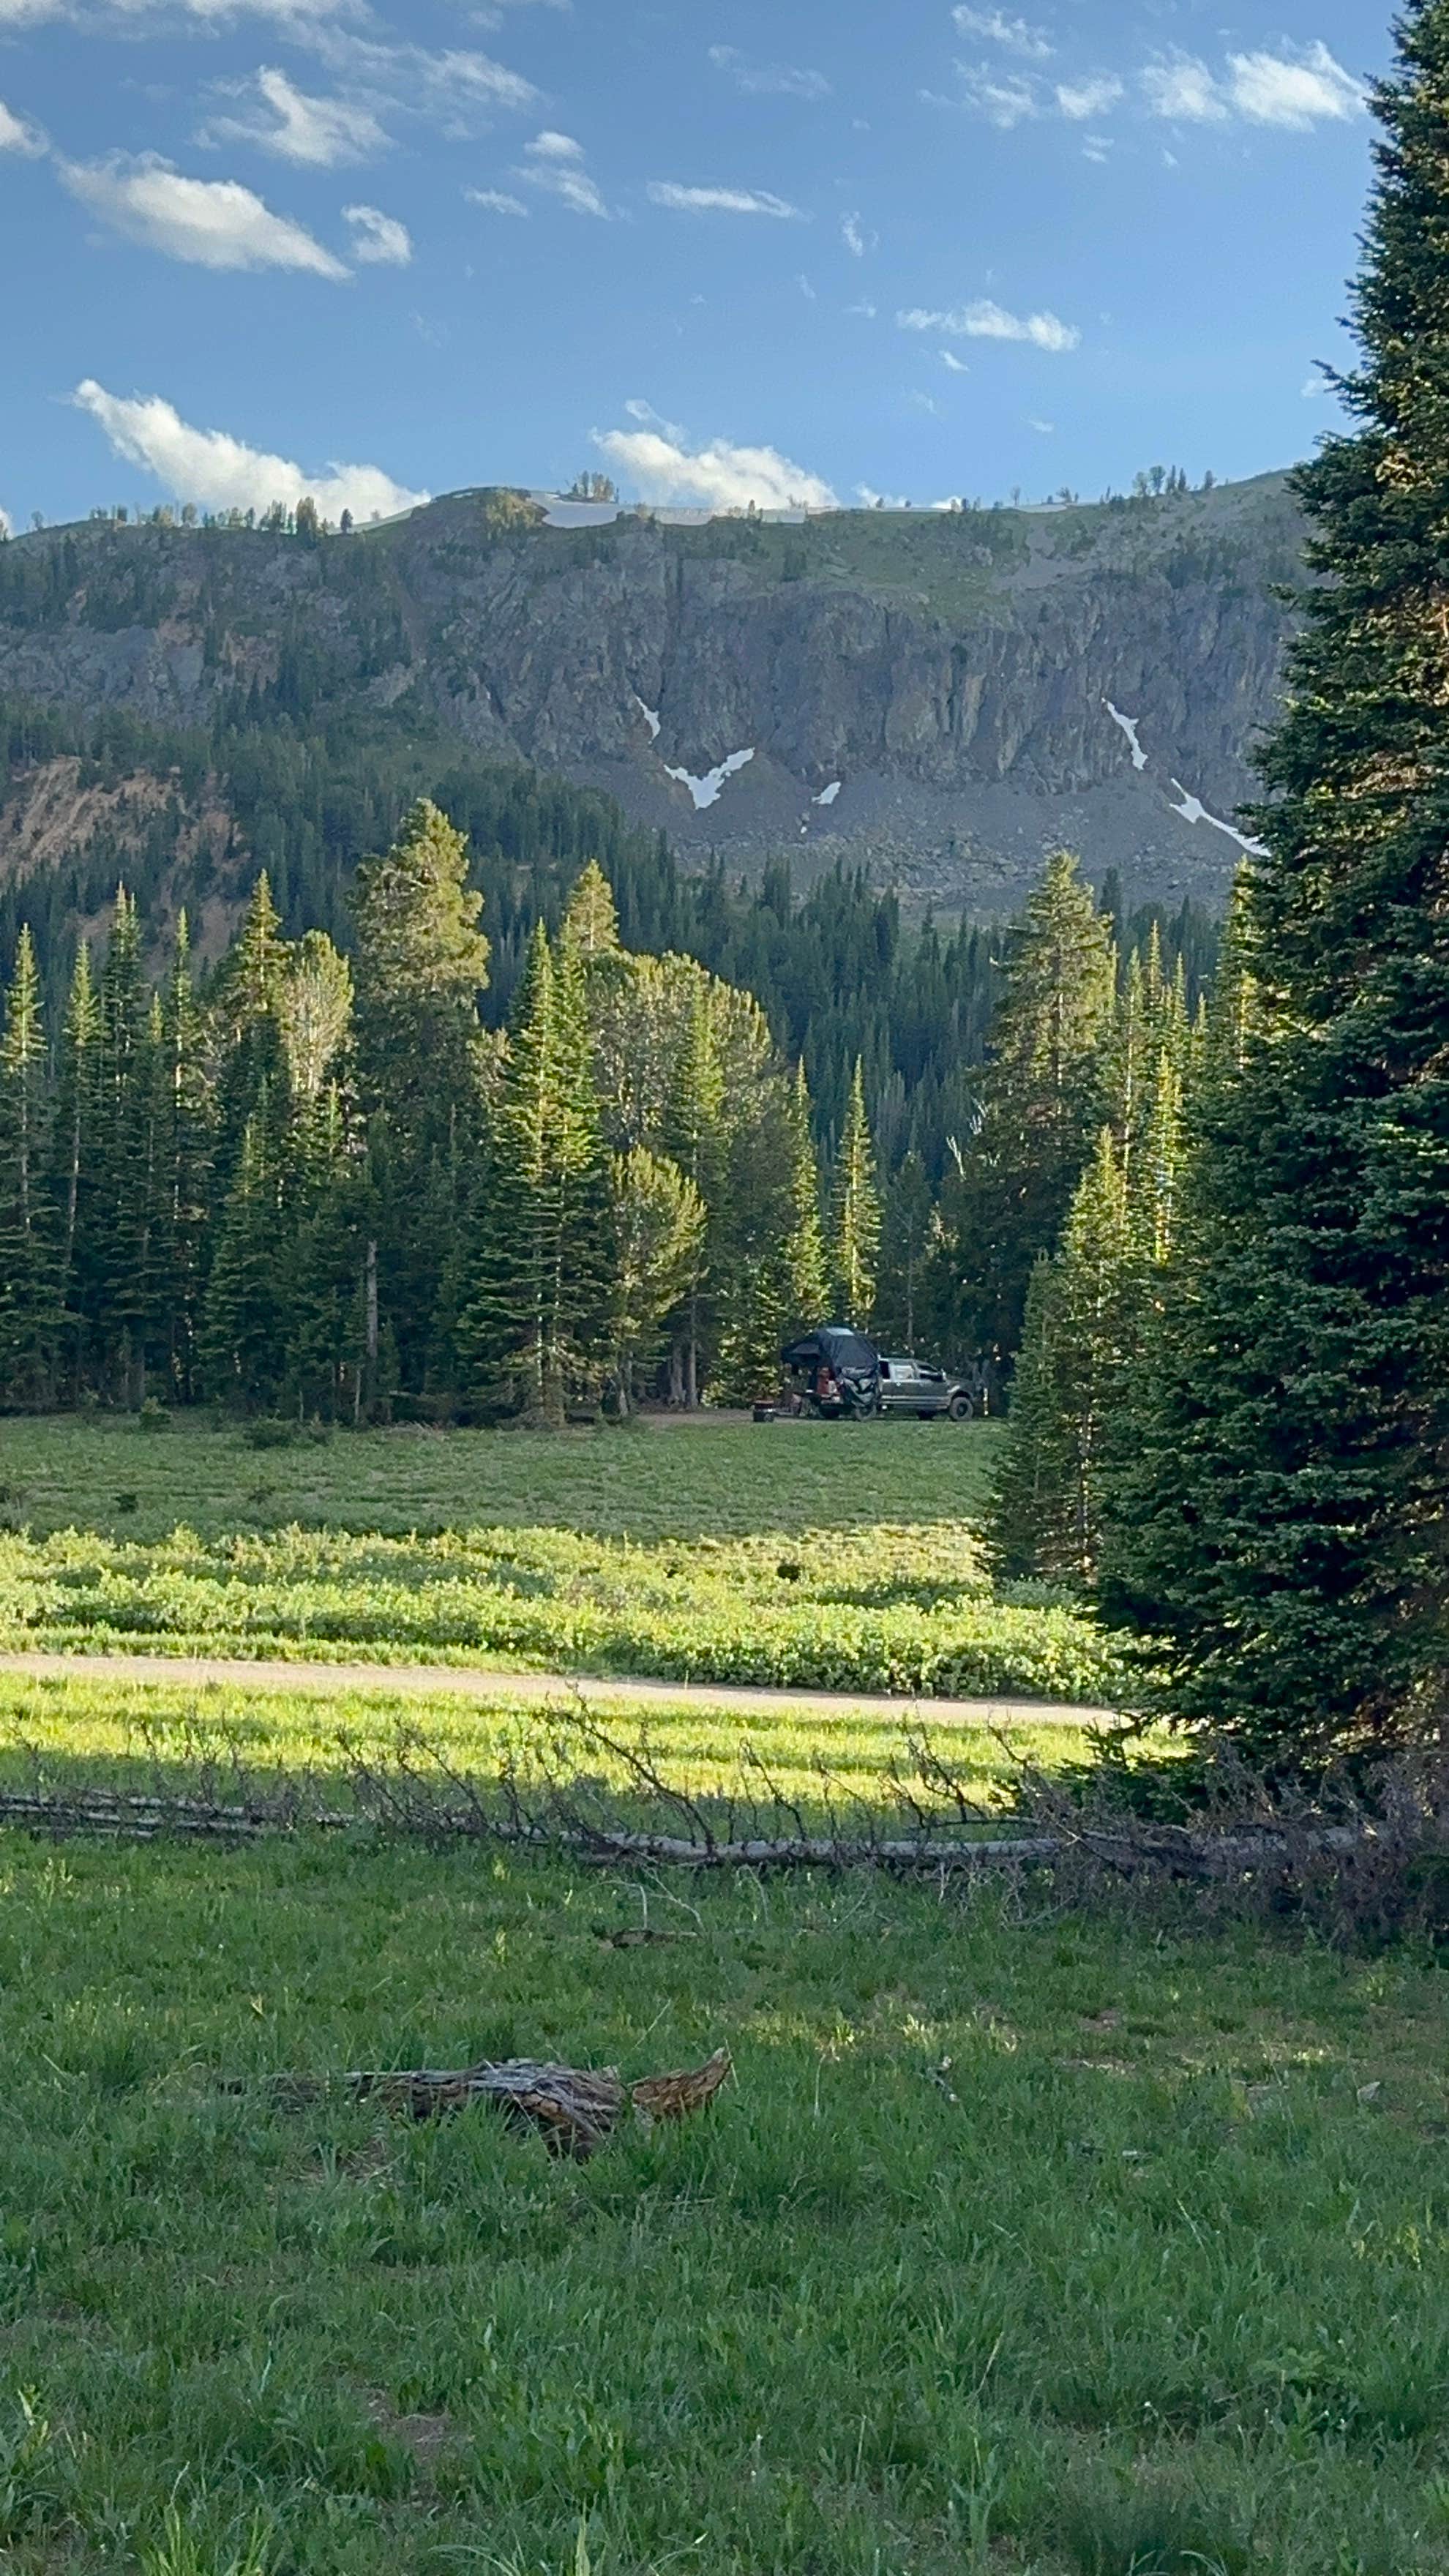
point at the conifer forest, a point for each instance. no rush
(317, 1178)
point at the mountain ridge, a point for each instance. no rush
(937, 696)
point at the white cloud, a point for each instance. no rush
(924, 402)
(297, 16)
(768, 80)
(490, 13)
(721, 201)
(453, 84)
(1012, 34)
(1312, 386)
(213, 223)
(1084, 98)
(555, 163)
(954, 366)
(720, 476)
(869, 499)
(378, 240)
(17, 134)
(1291, 90)
(7, 524)
(456, 91)
(645, 413)
(1044, 428)
(867, 311)
(855, 237)
(219, 472)
(1273, 89)
(984, 320)
(1183, 89)
(1004, 98)
(495, 201)
(320, 133)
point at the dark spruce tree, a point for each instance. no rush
(74, 1171)
(422, 1061)
(1042, 1092)
(535, 1328)
(247, 1316)
(29, 1308)
(1284, 1533)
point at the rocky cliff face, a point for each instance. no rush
(939, 697)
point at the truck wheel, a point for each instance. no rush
(960, 1408)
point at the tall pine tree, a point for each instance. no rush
(696, 1136)
(855, 1212)
(1284, 1534)
(184, 1191)
(1078, 1348)
(535, 1328)
(247, 1313)
(73, 1168)
(423, 1062)
(124, 1204)
(29, 1311)
(805, 1261)
(1043, 1094)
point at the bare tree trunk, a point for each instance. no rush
(370, 1309)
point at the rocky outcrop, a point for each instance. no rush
(931, 696)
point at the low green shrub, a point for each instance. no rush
(270, 1432)
(888, 1610)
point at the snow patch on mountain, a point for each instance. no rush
(827, 795)
(1193, 810)
(706, 790)
(650, 716)
(1128, 725)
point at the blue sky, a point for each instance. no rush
(720, 249)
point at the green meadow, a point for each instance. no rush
(1022, 2240)
(839, 1557)
(1020, 2243)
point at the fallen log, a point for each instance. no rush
(142, 1819)
(1176, 1853)
(574, 2108)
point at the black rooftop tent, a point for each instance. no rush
(844, 1352)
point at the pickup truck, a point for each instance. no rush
(909, 1386)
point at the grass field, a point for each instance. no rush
(1022, 2243)
(139, 1736)
(805, 1555)
(1016, 2245)
(692, 1480)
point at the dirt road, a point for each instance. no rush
(547, 1690)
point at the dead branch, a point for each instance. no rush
(1347, 1858)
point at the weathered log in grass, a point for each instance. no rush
(575, 2109)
